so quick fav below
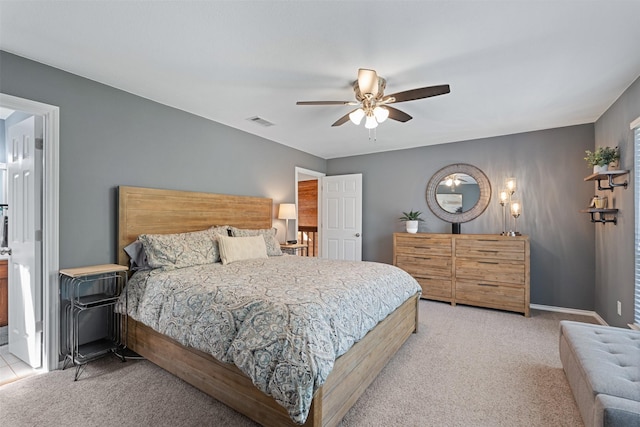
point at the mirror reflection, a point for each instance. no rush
(457, 193)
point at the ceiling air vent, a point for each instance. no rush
(260, 121)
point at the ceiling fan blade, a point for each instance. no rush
(368, 81)
(326, 103)
(423, 92)
(398, 115)
(342, 120)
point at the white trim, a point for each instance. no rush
(635, 123)
(50, 232)
(634, 326)
(569, 311)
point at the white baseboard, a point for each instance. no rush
(593, 314)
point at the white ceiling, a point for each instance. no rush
(513, 66)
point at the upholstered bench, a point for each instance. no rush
(602, 365)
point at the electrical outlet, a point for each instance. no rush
(619, 308)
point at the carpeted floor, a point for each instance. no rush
(466, 366)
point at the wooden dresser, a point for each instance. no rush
(484, 270)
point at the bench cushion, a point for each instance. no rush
(609, 357)
(611, 411)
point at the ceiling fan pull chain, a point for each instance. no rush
(375, 135)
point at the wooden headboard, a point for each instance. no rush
(155, 211)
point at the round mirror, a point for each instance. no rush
(458, 193)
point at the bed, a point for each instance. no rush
(153, 211)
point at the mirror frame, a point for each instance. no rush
(476, 210)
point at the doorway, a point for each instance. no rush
(46, 281)
(307, 198)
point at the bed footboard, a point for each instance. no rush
(353, 372)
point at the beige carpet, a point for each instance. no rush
(465, 367)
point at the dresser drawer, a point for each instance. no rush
(435, 288)
(491, 271)
(491, 249)
(491, 295)
(425, 266)
(430, 246)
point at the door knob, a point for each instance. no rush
(357, 234)
(5, 251)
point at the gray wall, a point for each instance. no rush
(550, 169)
(109, 137)
(614, 244)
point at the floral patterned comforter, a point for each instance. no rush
(283, 320)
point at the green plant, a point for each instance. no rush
(411, 216)
(602, 156)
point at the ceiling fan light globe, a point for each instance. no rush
(381, 114)
(371, 122)
(368, 82)
(356, 116)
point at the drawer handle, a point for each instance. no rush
(487, 250)
(488, 262)
(488, 284)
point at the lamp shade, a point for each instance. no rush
(381, 114)
(371, 122)
(356, 116)
(287, 211)
(516, 208)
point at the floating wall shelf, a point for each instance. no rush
(599, 215)
(608, 176)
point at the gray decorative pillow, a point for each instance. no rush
(269, 234)
(180, 250)
(137, 256)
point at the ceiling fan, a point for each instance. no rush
(372, 102)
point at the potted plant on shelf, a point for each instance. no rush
(601, 158)
(411, 219)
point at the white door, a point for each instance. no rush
(342, 217)
(25, 193)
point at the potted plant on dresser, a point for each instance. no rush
(601, 158)
(411, 219)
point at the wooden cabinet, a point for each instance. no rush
(4, 294)
(427, 257)
(475, 269)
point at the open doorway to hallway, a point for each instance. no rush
(308, 204)
(35, 318)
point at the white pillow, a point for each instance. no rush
(241, 248)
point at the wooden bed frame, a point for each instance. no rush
(145, 210)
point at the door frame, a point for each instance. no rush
(50, 223)
(319, 175)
